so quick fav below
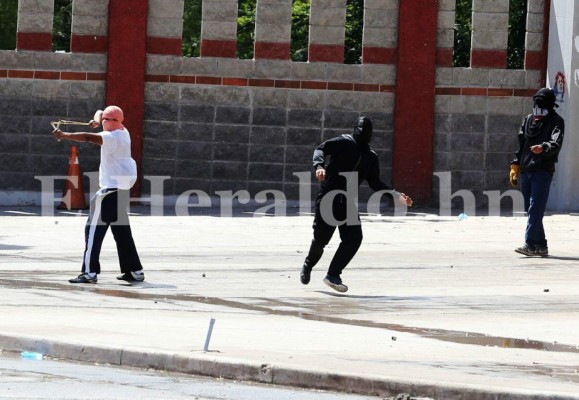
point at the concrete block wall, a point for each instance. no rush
(255, 134)
(27, 106)
(218, 123)
(38, 86)
(479, 109)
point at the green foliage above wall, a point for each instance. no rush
(462, 33)
(246, 28)
(191, 43)
(354, 30)
(8, 17)
(61, 26)
(300, 30)
(517, 31)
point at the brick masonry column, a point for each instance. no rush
(380, 35)
(127, 37)
(165, 27)
(34, 26)
(445, 34)
(89, 26)
(490, 33)
(414, 105)
(219, 29)
(273, 24)
(536, 37)
(327, 31)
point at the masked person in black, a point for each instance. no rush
(341, 164)
(540, 140)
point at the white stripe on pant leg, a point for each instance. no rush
(99, 196)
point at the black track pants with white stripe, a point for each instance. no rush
(109, 208)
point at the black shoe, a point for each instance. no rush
(335, 283)
(542, 251)
(305, 274)
(131, 277)
(526, 250)
(83, 278)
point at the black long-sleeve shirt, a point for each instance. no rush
(343, 154)
(548, 132)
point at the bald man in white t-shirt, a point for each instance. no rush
(117, 174)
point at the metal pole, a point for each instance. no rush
(208, 338)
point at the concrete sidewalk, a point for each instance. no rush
(438, 307)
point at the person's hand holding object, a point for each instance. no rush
(57, 134)
(514, 175)
(404, 199)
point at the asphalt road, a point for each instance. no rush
(60, 380)
(438, 306)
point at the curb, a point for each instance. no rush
(205, 364)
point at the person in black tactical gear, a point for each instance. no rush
(540, 140)
(341, 164)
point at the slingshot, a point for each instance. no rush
(97, 118)
(56, 124)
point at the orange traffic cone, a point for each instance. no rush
(73, 194)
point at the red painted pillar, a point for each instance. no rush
(127, 43)
(414, 105)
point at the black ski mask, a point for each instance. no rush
(543, 102)
(363, 131)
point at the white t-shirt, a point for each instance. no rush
(117, 168)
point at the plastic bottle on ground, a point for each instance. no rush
(31, 355)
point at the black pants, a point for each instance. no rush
(109, 207)
(350, 235)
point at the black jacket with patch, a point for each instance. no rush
(548, 132)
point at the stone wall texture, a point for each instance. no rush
(218, 123)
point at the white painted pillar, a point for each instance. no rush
(563, 60)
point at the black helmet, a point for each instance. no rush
(545, 98)
(363, 130)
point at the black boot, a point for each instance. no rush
(305, 274)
